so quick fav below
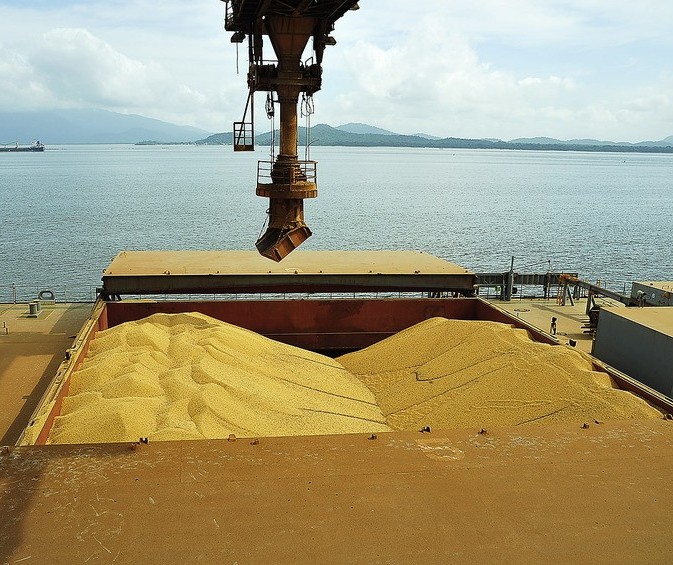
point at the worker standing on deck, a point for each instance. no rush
(552, 330)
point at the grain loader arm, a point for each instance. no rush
(288, 25)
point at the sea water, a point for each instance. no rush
(65, 213)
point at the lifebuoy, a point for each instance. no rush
(46, 295)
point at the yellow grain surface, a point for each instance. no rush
(461, 374)
(189, 376)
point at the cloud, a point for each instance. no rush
(74, 68)
(449, 93)
(20, 86)
(165, 62)
(473, 70)
(570, 68)
(572, 24)
(81, 68)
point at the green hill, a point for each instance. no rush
(324, 135)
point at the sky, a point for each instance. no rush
(568, 69)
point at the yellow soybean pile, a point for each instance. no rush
(189, 376)
(461, 374)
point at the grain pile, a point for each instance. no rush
(189, 376)
(460, 374)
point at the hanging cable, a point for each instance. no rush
(306, 108)
(270, 113)
(546, 261)
(266, 221)
(268, 106)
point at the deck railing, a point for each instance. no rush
(20, 293)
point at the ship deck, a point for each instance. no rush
(31, 349)
(545, 494)
(558, 492)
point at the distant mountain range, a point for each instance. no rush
(362, 135)
(54, 127)
(367, 129)
(667, 142)
(100, 126)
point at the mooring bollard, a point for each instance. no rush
(33, 310)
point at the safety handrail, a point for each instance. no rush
(307, 172)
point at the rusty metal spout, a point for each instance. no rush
(286, 231)
(276, 244)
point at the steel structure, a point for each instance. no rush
(221, 272)
(593, 290)
(288, 24)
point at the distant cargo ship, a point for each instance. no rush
(36, 146)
